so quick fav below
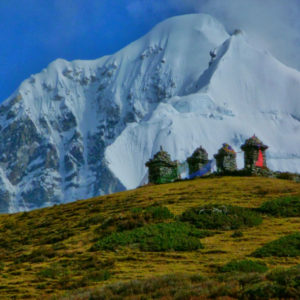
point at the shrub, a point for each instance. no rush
(37, 255)
(282, 207)
(281, 284)
(237, 234)
(50, 272)
(245, 265)
(284, 247)
(57, 236)
(156, 237)
(9, 225)
(136, 217)
(158, 213)
(90, 221)
(261, 290)
(286, 175)
(289, 276)
(225, 217)
(98, 275)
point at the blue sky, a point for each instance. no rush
(35, 32)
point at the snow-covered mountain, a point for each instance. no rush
(85, 128)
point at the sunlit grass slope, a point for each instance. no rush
(52, 251)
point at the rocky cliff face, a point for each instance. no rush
(86, 128)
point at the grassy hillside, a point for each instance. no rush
(150, 234)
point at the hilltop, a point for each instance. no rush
(78, 247)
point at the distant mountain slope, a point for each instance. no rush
(85, 128)
(244, 91)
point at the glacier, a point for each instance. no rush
(85, 128)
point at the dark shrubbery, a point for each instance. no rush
(71, 274)
(155, 237)
(282, 207)
(98, 275)
(225, 217)
(287, 175)
(58, 235)
(237, 234)
(136, 217)
(286, 246)
(157, 213)
(245, 265)
(286, 276)
(281, 284)
(52, 272)
(91, 221)
(37, 255)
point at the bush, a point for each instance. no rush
(245, 265)
(155, 237)
(37, 255)
(9, 225)
(287, 246)
(57, 236)
(94, 220)
(225, 217)
(158, 213)
(136, 217)
(286, 277)
(98, 275)
(50, 272)
(237, 234)
(286, 175)
(281, 284)
(289, 276)
(261, 290)
(283, 207)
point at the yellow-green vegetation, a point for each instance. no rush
(59, 250)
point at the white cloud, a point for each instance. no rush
(272, 24)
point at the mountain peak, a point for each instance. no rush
(200, 22)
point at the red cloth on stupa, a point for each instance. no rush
(260, 160)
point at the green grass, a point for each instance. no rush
(225, 217)
(156, 237)
(287, 246)
(46, 252)
(245, 265)
(284, 277)
(282, 207)
(154, 212)
(277, 284)
(134, 218)
(237, 234)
